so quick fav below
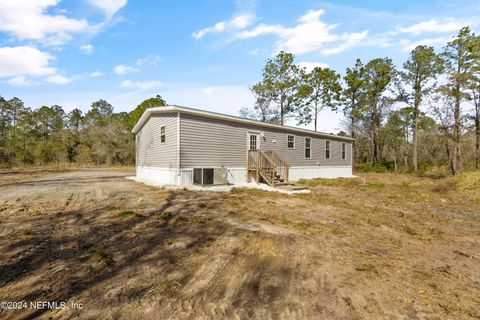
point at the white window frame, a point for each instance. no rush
(309, 147)
(329, 149)
(292, 148)
(258, 138)
(344, 151)
(163, 135)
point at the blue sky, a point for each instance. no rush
(201, 54)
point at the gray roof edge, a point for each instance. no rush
(209, 114)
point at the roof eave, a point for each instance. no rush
(173, 108)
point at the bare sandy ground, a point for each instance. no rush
(123, 250)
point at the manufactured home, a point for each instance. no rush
(184, 146)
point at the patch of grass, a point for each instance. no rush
(373, 223)
(166, 215)
(34, 213)
(338, 231)
(126, 213)
(169, 288)
(369, 167)
(180, 220)
(443, 186)
(129, 213)
(405, 185)
(102, 255)
(435, 172)
(467, 181)
(410, 230)
(344, 182)
(285, 222)
(365, 267)
(379, 185)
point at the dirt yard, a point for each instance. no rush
(399, 247)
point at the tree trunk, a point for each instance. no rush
(477, 142)
(316, 115)
(415, 132)
(450, 158)
(375, 135)
(456, 134)
(282, 101)
(352, 134)
(405, 148)
(477, 136)
(395, 161)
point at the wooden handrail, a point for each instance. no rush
(267, 164)
(283, 166)
(276, 157)
(263, 165)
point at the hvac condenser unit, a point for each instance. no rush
(209, 176)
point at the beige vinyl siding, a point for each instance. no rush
(296, 156)
(150, 151)
(209, 142)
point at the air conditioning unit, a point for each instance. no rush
(210, 176)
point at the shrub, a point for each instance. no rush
(369, 167)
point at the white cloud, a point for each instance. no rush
(58, 79)
(141, 85)
(18, 81)
(236, 23)
(30, 20)
(310, 34)
(109, 7)
(87, 49)
(24, 61)
(210, 90)
(96, 74)
(123, 69)
(149, 59)
(350, 40)
(242, 21)
(309, 66)
(408, 45)
(434, 25)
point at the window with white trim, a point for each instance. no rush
(163, 135)
(344, 151)
(290, 141)
(253, 142)
(308, 148)
(327, 149)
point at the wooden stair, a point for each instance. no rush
(268, 166)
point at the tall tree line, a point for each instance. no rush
(425, 112)
(50, 135)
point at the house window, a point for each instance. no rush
(308, 148)
(290, 141)
(344, 147)
(253, 142)
(162, 134)
(327, 149)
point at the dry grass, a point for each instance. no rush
(376, 247)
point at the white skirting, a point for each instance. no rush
(297, 173)
(157, 175)
(170, 176)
